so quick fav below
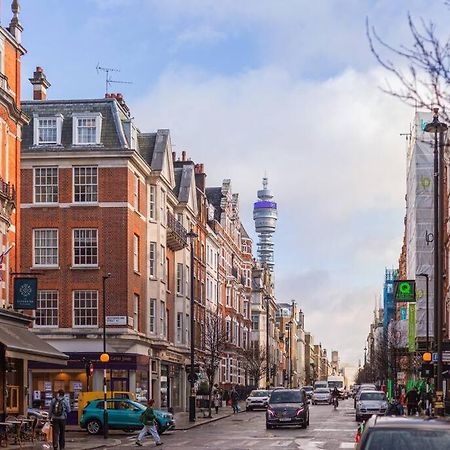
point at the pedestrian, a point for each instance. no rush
(234, 400)
(226, 397)
(217, 402)
(148, 420)
(59, 408)
(412, 401)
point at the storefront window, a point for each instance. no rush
(14, 382)
(142, 385)
(164, 385)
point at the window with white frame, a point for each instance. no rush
(180, 278)
(136, 312)
(87, 129)
(85, 308)
(228, 296)
(45, 247)
(152, 203)
(227, 330)
(162, 208)
(162, 261)
(244, 339)
(152, 313)
(47, 309)
(188, 282)
(162, 319)
(45, 185)
(187, 330)
(179, 327)
(180, 218)
(85, 247)
(255, 321)
(136, 253)
(47, 130)
(136, 192)
(152, 260)
(85, 184)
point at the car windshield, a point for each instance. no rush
(286, 397)
(322, 391)
(259, 394)
(372, 396)
(308, 388)
(408, 439)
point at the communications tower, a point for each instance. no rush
(265, 217)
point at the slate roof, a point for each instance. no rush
(214, 196)
(183, 179)
(244, 233)
(112, 135)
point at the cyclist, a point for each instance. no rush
(335, 397)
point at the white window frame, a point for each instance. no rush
(47, 169)
(136, 186)
(136, 301)
(136, 253)
(162, 262)
(180, 278)
(38, 230)
(94, 196)
(36, 123)
(152, 266)
(180, 327)
(162, 319)
(152, 316)
(94, 237)
(152, 202)
(85, 308)
(98, 128)
(162, 208)
(46, 304)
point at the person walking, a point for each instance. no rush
(148, 420)
(59, 408)
(234, 400)
(217, 402)
(412, 401)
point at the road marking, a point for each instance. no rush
(281, 443)
(334, 429)
(309, 445)
(347, 445)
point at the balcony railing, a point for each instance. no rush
(176, 233)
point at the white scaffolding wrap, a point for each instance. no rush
(419, 220)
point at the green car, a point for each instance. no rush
(123, 414)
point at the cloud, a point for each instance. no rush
(204, 34)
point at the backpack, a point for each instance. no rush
(58, 408)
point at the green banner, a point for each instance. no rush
(412, 327)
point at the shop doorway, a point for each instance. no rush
(120, 380)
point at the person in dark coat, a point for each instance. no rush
(59, 408)
(412, 401)
(235, 400)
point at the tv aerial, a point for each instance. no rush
(108, 79)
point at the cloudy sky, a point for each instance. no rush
(286, 87)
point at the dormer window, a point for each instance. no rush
(47, 130)
(87, 129)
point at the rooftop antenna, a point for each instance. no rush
(108, 79)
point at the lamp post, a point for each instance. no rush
(438, 128)
(104, 358)
(427, 279)
(192, 235)
(365, 356)
(267, 298)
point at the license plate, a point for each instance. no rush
(285, 419)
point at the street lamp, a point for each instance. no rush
(365, 356)
(104, 358)
(267, 299)
(438, 128)
(192, 235)
(427, 279)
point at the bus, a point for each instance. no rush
(320, 384)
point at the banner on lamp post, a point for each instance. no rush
(412, 327)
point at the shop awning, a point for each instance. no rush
(20, 342)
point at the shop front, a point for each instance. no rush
(84, 372)
(19, 349)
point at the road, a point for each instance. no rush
(328, 430)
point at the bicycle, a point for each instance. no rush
(335, 402)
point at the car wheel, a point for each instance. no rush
(93, 426)
(247, 408)
(268, 427)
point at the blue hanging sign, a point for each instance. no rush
(25, 293)
(403, 312)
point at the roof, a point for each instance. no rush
(112, 136)
(183, 179)
(214, 196)
(244, 233)
(407, 422)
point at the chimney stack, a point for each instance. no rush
(183, 156)
(40, 84)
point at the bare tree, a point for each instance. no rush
(422, 69)
(214, 344)
(254, 361)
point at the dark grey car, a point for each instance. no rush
(287, 407)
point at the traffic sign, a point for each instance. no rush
(446, 356)
(435, 357)
(405, 290)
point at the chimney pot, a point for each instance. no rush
(183, 156)
(174, 156)
(40, 84)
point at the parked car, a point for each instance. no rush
(402, 433)
(287, 407)
(257, 399)
(369, 403)
(321, 395)
(309, 391)
(123, 414)
(363, 387)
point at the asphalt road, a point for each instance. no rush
(329, 430)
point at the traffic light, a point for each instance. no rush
(89, 369)
(427, 370)
(427, 357)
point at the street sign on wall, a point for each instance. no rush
(405, 290)
(116, 320)
(25, 293)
